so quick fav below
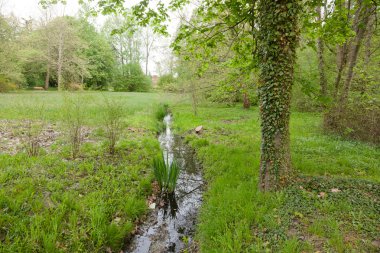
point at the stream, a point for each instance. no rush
(171, 228)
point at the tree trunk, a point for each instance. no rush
(342, 50)
(368, 38)
(60, 62)
(246, 102)
(278, 39)
(362, 18)
(147, 62)
(341, 63)
(194, 99)
(321, 60)
(47, 78)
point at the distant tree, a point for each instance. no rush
(58, 45)
(10, 59)
(100, 58)
(149, 40)
(68, 52)
(132, 79)
(127, 44)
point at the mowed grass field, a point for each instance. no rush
(53, 203)
(333, 204)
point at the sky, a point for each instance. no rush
(26, 9)
(31, 8)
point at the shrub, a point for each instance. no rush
(6, 85)
(168, 83)
(73, 117)
(132, 78)
(113, 123)
(358, 121)
(33, 131)
(75, 87)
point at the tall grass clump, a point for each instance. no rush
(161, 111)
(33, 131)
(166, 174)
(74, 119)
(113, 115)
(33, 127)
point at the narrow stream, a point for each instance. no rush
(171, 228)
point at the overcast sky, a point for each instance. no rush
(31, 8)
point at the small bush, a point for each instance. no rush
(168, 83)
(132, 78)
(73, 117)
(113, 124)
(75, 87)
(359, 121)
(6, 85)
(33, 130)
(165, 174)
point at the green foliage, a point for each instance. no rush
(74, 119)
(113, 122)
(161, 111)
(96, 199)
(166, 174)
(168, 82)
(99, 55)
(10, 60)
(236, 217)
(6, 85)
(131, 78)
(358, 120)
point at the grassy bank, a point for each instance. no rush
(53, 203)
(332, 207)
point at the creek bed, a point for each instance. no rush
(171, 228)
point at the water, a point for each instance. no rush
(171, 228)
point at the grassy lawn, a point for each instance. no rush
(333, 206)
(52, 203)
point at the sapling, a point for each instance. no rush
(74, 119)
(33, 128)
(113, 115)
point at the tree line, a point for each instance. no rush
(70, 53)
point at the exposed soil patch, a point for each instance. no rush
(15, 134)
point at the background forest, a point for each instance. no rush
(70, 53)
(336, 69)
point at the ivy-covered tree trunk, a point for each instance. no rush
(277, 42)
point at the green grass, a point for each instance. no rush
(52, 203)
(23, 105)
(236, 217)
